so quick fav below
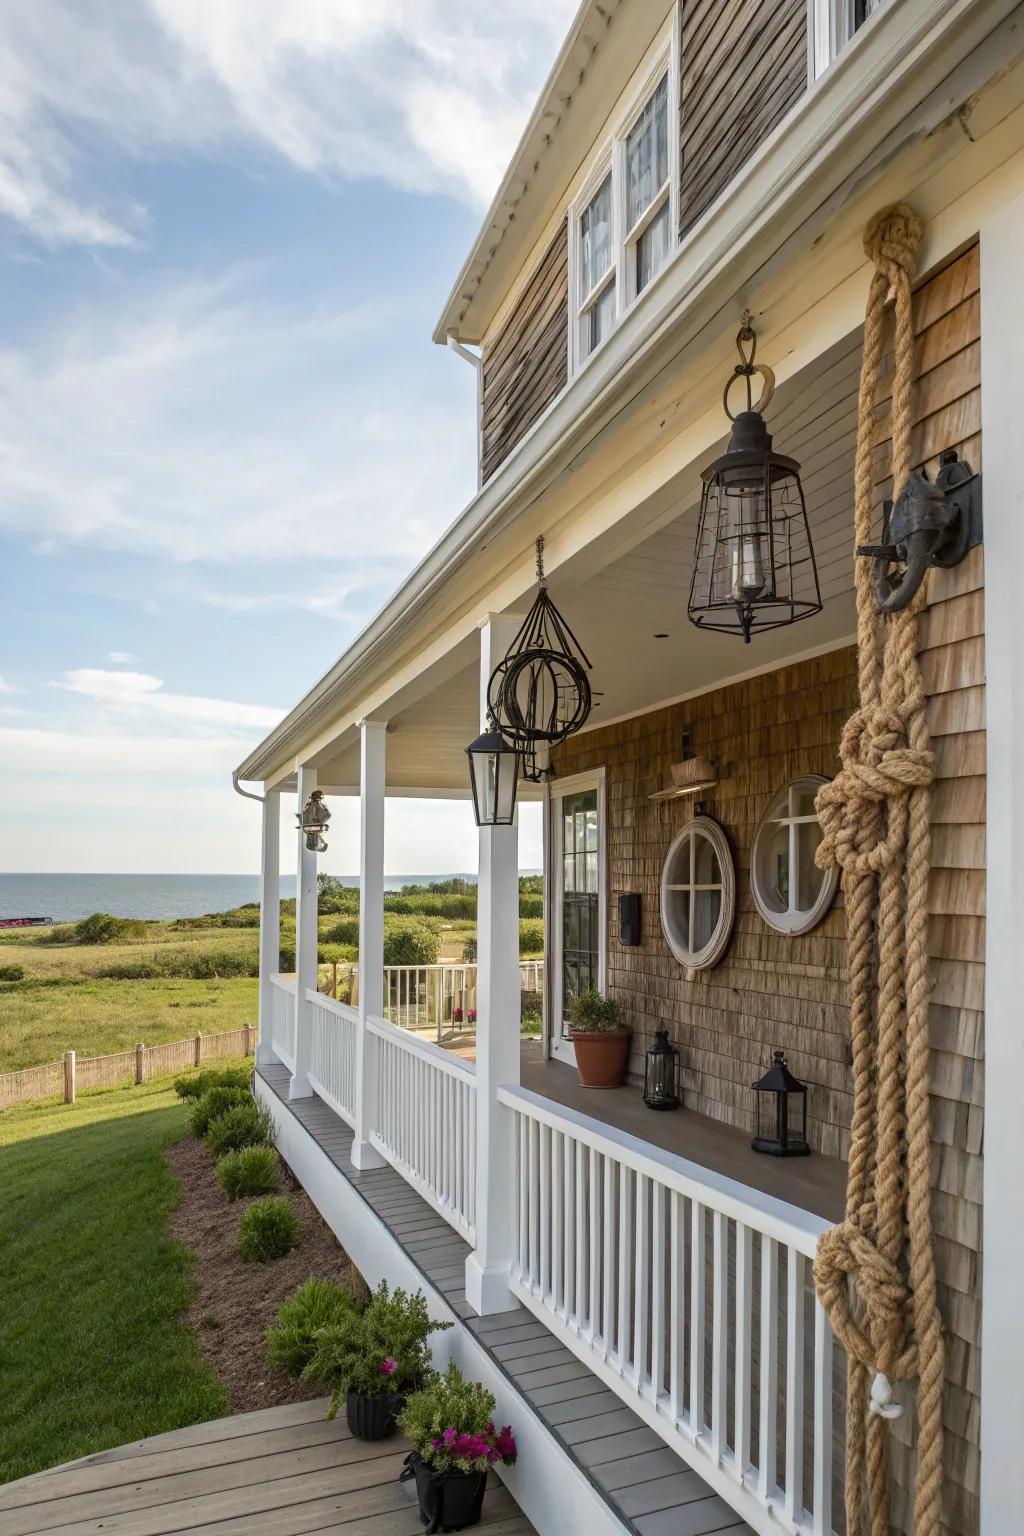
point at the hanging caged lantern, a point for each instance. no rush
(754, 565)
(540, 692)
(313, 819)
(661, 1073)
(493, 778)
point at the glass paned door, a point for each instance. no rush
(577, 916)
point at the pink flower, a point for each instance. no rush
(387, 1367)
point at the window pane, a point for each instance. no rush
(776, 869)
(653, 247)
(596, 238)
(599, 319)
(647, 155)
(808, 836)
(706, 907)
(706, 870)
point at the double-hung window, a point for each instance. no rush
(834, 24)
(622, 224)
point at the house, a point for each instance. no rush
(638, 1287)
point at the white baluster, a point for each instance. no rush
(677, 1312)
(594, 1298)
(641, 1277)
(769, 1376)
(741, 1434)
(794, 1385)
(719, 1334)
(822, 1422)
(696, 1317)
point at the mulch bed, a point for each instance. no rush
(234, 1303)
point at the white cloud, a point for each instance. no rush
(37, 751)
(426, 94)
(140, 694)
(120, 657)
(6, 687)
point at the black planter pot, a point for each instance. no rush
(449, 1501)
(373, 1418)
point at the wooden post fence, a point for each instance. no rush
(140, 1063)
(69, 1077)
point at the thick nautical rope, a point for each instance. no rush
(875, 1272)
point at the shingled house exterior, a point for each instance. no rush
(636, 1287)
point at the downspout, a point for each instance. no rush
(476, 360)
(246, 792)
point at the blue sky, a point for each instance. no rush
(226, 231)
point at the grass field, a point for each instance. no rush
(92, 1290)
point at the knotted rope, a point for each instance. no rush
(875, 1272)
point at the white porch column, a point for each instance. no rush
(270, 919)
(372, 780)
(497, 1031)
(305, 946)
(1002, 1338)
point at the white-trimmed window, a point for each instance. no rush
(833, 24)
(698, 894)
(791, 893)
(623, 221)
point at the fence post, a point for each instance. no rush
(199, 1050)
(140, 1063)
(246, 1039)
(69, 1077)
(353, 977)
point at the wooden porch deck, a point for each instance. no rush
(649, 1488)
(279, 1472)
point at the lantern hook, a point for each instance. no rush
(745, 369)
(933, 523)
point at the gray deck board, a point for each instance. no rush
(623, 1457)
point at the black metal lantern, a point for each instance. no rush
(313, 819)
(661, 1074)
(540, 691)
(493, 777)
(781, 1127)
(754, 565)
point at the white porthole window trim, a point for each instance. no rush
(796, 919)
(681, 944)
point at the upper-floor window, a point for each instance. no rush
(622, 224)
(834, 23)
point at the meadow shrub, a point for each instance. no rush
(316, 1304)
(102, 928)
(286, 957)
(531, 906)
(12, 973)
(412, 943)
(130, 970)
(193, 1087)
(243, 1125)
(214, 1103)
(268, 1230)
(383, 1347)
(531, 936)
(252, 1170)
(344, 932)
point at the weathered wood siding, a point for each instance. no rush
(526, 365)
(743, 64)
(792, 992)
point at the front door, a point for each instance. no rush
(577, 917)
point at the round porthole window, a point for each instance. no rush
(791, 893)
(698, 894)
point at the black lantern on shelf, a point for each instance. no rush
(539, 692)
(781, 1126)
(661, 1074)
(493, 777)
(312, 820)
(754, 566)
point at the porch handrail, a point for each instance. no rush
(425, 1121)
(333, 1049)
(687, 1293)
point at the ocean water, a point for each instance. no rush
(67, 897)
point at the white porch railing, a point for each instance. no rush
(688, 1294)
(282, 1019)
(332, 1070)
(425, 1121)
(440, 998)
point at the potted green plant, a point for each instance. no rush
(600, 1039)
(450, 1422)
(372, 1359)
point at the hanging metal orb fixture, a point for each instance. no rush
(540, 692)
(313, 819)
(754, 565)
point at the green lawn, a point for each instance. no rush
(92, 1289)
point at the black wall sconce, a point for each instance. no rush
(629, 919)
(932, 523)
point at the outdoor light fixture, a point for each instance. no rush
(781, 1127)
(313, 819)
(661, 1074)
(754, 564)
(932, 523)
(540, 692)
(493, 777)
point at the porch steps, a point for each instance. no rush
(647, 1486)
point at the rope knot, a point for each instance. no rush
(862, 812)
(893, 236)
(865, 1296)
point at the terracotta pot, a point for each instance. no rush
(449, 1501)
(373, 1418)
(601, 1056)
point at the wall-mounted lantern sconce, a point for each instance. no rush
(932, 523)
(493, 777)
(313, 819)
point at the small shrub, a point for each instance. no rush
(214, 1103)
(12, 973)
(130, 970)
(252, 1170)
(450, 1422)
(245, 1125)
(531, 906)
(102, 928)
(213, 1077)
(409, 943)
(268, 1230)
(531, 936)
(384, 1347)
(592, 1013)
(344, 932)
(316, 1304)
(286, 957)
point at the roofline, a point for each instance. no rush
(830, 127)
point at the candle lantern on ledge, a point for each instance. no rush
(781, 1115)
(661, 1074)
